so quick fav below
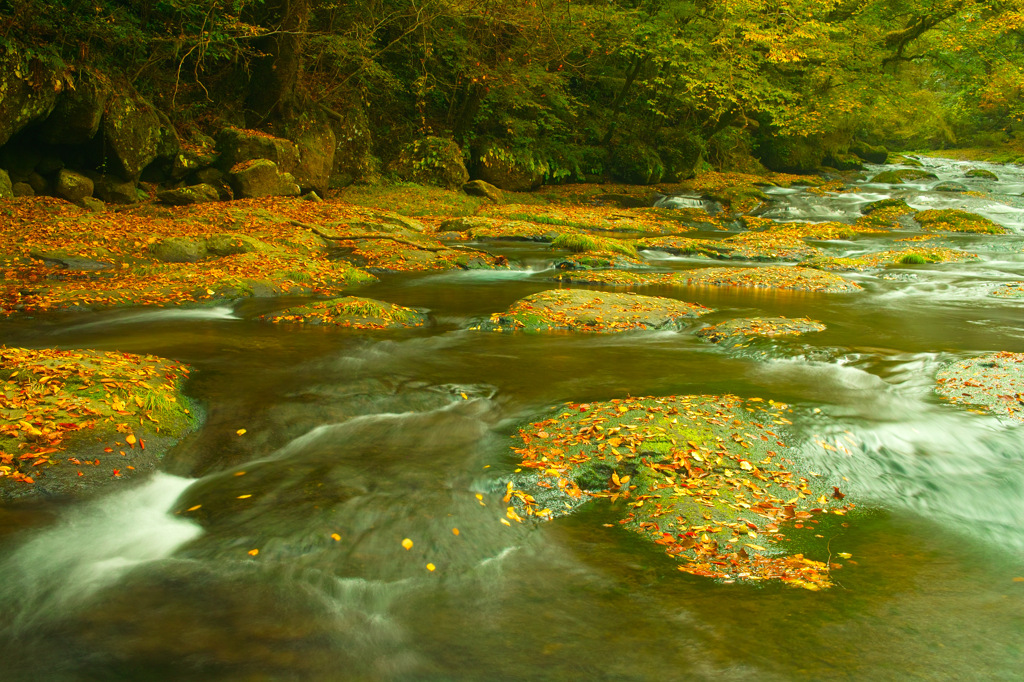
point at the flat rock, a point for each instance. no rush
(592, 311)
(765, 327)
(351, 312)
(769, 277)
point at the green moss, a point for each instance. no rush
(912, 259)
(583, 243)
(952, 220)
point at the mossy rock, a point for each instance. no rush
(902, 160)
(733, 331)
(901, 175)
(351, 312)
(512, 170)
(981, 173)
(1010, 290)
(992, 383)
(907, 256)
(186, 196)
(598, 260)
(179, 250)
(229, 244)
(869, 152)
(491, 229)
(768, 277)
(899, 205)
(843, 161)
(791, 154)
(749, 246)
(739, 198)
(578, 242)
(432, 161)
(592, 311)
(90, 419)
(952, 220)
(707, 478)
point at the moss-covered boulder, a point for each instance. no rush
(592, 311)
(238, 145)
(351, 312)
(707, 478)
(480, 188)
(115, 190)
(992, 383)
(843, 161)
(791, 154)
(509, 169)
(738, 198)
(179, 250)
(192, 194)
(261, 178)
(76, 118)
(73, 186)
(578, 242)
(6, 187)
(981, 173)
(136, 134)
(636, 164)
(597, 260)
(432, 161)
(952, 220)
(72, 422)
(869, 152)
(23, 100)
(951, 187)
(224, 244)
(901, 175)
(315, 145)
(1009, 290)
(735, 331)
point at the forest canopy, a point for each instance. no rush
(563, 83)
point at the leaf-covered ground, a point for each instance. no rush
(705, 477)
(770, 277)
(592, 311)
(57, 404)
(734, 331)
(992, 383)
(351, 312)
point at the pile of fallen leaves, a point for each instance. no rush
(351, 312)
(47, 395)
(769, 327)
(705, 477)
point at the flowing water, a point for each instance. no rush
(376, 437)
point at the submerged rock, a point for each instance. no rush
(351, 312)
(909, 256)
(769, 327)
(981, 173)
(751, 246)
(992, 383)
(1009, 290)
(592, 311)
(708, 478)
(901, 175)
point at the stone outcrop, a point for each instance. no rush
(77, 116)
(22, 102)
(261, 178)
(73, 186)
(508, 170)
(237, 146)
(193, 194)
(432, 161)
(6, 189)
(315, 146)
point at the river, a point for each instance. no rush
(355, 441)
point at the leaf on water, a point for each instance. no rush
(844, 555)
(240, 432)
(407, 543)
(335, 537)
(246, 496)
(455, 531)
(194, 508)
(431, 567)
(253, 552)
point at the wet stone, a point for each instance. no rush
(992, 383)
(592, 311)
(351, 312)
(732, 331)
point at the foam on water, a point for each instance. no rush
(158, 315)
(91, 547)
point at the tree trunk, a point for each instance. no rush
(274, 85)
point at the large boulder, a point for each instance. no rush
(316, 146)
(432, 161)
(869, 152)
(513, 171)
(791, 153)
(479, 188)
(114, 190)
(6, 189)
(193, 194)
(73, 186)
(24, 99)
(261, 178)
(179, 250)
(237, 146)
(76, 118)
(353, 151)
(136, 134)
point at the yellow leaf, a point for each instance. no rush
(431, 567)
(745, 465)
(455, 531)
(844, 555)
(505, 522)
(407, 543)
(240, 432)
(757, 547)
(194, 508)
(253, 552)
(464, 396)
(247, 495)
(130, 439)
(335, 537)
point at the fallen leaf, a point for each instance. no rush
(407, 543)
(240, 432)
(253, 552)
(431, 567)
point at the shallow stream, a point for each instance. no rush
(354, 441)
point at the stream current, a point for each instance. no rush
(376, 437)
